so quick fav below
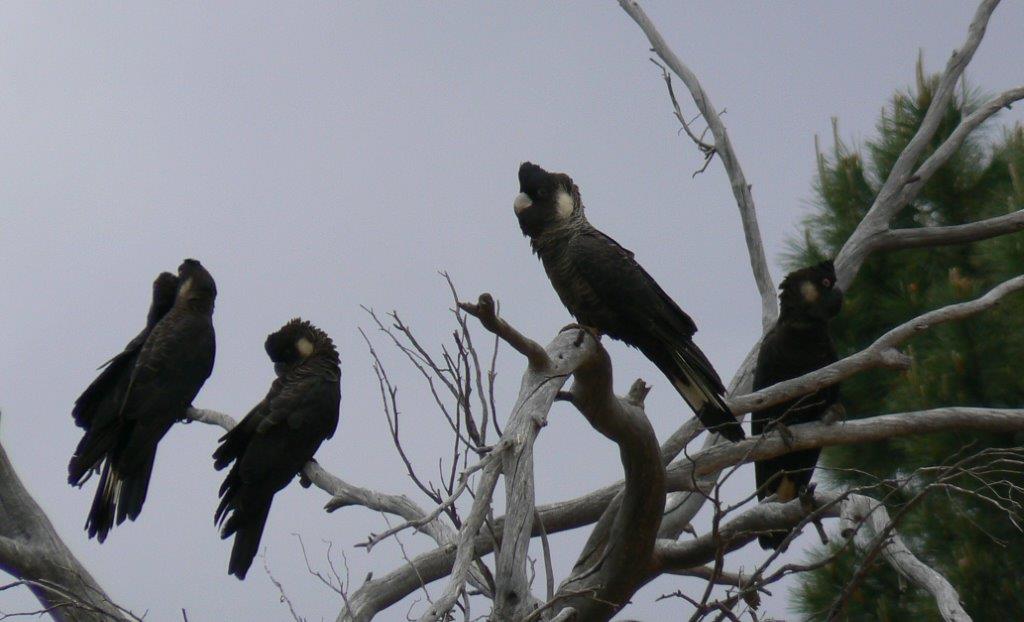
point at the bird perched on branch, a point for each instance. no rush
(129, 408)
(279, 436)
(603, 286)
(97, 409)
(799, 343)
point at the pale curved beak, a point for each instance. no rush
(522, 202)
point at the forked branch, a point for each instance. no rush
(486, 311)
(904, 182)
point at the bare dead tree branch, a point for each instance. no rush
(380, 593)
(431, 516)
(464, 551)
(280, 590)
(64, 603)
(344, 494)
(954, 141)
(486, 311)
(895, 193)
(901, 181)
(860, 509)
(32, 551)
(708, 151)
(922, 237)
(812, 435)
(514, 456)
(723, 146)
(540, 386)
(881, 353)
(863, 518)
(606, 574)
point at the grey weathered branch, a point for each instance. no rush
(863, 518)
(431, 516)
(681, 474)
(901, 185)
(386, 590)
(464, 553)
(486, 311)
(31, 550)
(675, 556)
(723, 146)
(920, 237)
(912, 187)
(609, 569)
(570, 350)
(344, 494)
(859, 509)
(573, 351)
(873, 231)
(881, 353)
(549, 369)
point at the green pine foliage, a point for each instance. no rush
(969, 363)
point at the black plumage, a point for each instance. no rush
(170, 367)
(279, 436)
(603, 286)
(97, 409)
(799, 343)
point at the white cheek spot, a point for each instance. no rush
(809, 292)
(304, 346)
(563, 205)
(184, 289)
(522, 202)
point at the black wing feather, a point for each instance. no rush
(171, 367)
(779, 359)
(269, 448)
(621, 299)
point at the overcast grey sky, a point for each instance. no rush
(316, 157)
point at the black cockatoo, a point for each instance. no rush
(799, 343)
(279, 436)
(173, 362)
(603, 286)
(97, 409)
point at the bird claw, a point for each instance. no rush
(835, 414)
(806, 495)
